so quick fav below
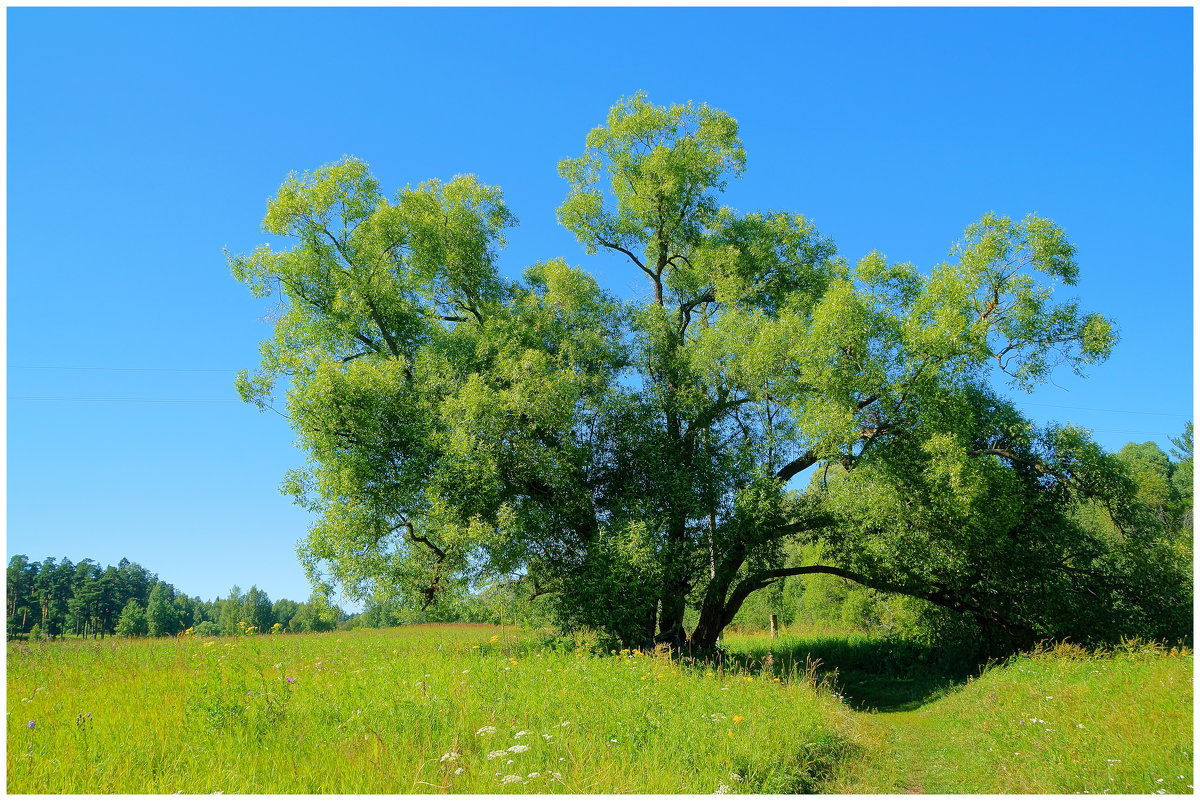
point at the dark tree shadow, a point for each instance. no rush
(871, 675)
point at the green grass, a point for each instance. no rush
(1061, 721)
(417, 709)
(477, 709)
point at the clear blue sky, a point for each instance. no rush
(143, 141)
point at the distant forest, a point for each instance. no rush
(51, 599)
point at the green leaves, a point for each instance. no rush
(629, 455)
(664, 167)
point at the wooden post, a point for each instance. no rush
(774, 623)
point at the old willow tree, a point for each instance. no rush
(635, 458)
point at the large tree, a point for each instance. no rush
(633, 457)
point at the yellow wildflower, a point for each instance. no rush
(495, 638)
(738, 718)
(729, 733)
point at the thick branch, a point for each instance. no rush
(633, 258)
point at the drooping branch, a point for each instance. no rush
(934, 593)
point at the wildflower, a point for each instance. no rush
(473, 646)
(516, 749)
(210, 642)
(520, 734)
(738, 718)
(449, 756)
(1049, 697)
(250, 693)
(510, 779)
(458, 771)
(495, 638)
(494, 754)
(564, 724)
(1079, 725)
(729, 733)
(721, 789)
(533, 775)
(31, 724)
(486, 730)
(551, 736)
(289, 679)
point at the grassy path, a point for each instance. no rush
(1053, 723)
(901, 749)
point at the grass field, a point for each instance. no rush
(478, 709)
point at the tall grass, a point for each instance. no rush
(1063, 720)
(417, 709)
(479, 709)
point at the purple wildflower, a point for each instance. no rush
(290, 679)
(32, 723)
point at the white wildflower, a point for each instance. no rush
(486, 730)
(449, 756)
(547, 736)
(564, 724)
(516, 749)
(1079, 726)
(735, 777)
(458, 771)
(721, 789)
(510, 779)
(520, 734)
(494, 754)
(533, 775)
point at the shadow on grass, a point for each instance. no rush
(872, 675)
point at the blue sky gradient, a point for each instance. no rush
(141, 142)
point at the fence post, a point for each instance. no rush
(774, 624)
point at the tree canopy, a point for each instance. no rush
(634, 458)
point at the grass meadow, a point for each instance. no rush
(480, 709)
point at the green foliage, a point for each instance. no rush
(634, 459)
(133, 621)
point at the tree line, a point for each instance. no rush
(52, 598)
